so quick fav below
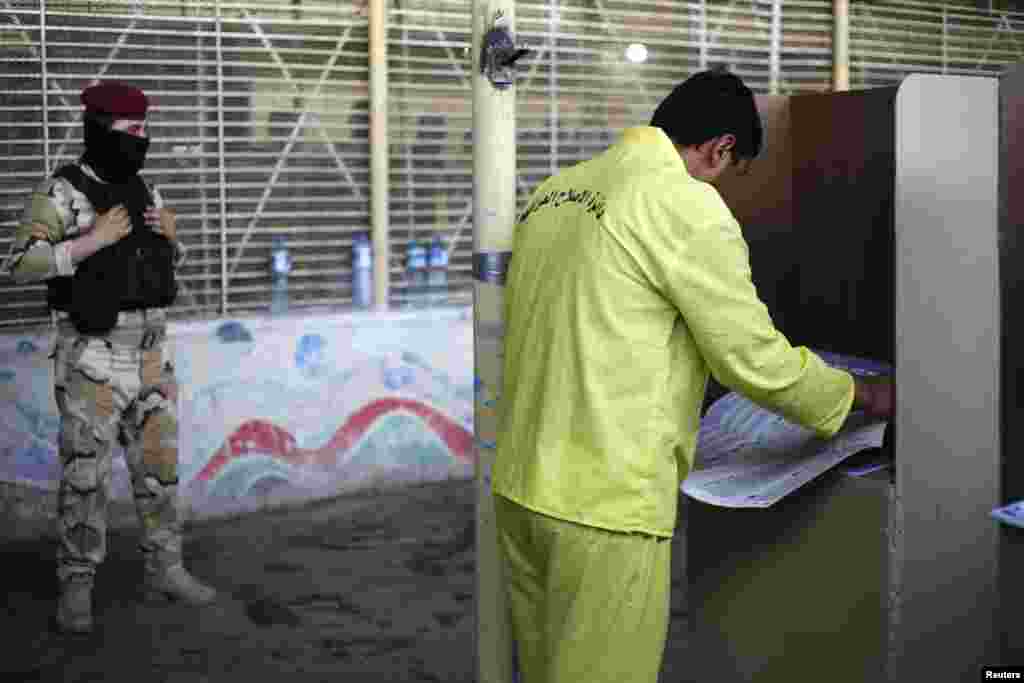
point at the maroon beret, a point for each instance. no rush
(120, 100)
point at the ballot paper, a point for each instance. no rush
(749, 457)
(881, 462)
(1012, 514)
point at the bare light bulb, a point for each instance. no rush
(636, 53)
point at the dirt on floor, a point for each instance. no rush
(371, 587)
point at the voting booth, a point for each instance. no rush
(882, 225)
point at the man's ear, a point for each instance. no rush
(727, 142)
(708, 151)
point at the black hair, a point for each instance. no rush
(707, 105)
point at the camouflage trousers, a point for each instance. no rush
(108, 394)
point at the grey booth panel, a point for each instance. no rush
(795, 591)
(947, 438)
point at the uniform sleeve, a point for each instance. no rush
(41, 248)
(703, 267)
(179, 247)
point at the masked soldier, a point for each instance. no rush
(101, 239)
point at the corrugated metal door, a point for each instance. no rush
(260, 122)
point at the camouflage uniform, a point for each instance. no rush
(117, 388)
(111, 392)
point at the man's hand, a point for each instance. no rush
(874, 395)
(163, 222)
(112, 227)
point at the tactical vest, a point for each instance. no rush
(134, 273)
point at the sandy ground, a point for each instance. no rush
(375, 587)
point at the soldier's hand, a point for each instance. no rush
(163, 222)
(113, 226)
(40, 232)
(169, 390)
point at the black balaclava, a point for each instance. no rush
(116, 156)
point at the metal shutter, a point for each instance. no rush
(260, 123)
(295, 146)
(582, 87)
(888, 40)
(430, 122)
(22, 144)
(256, 132)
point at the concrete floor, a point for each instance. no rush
(365, 588)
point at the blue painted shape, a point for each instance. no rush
(309, 344)
(345, 376)
(399, 440)
(310, 356)
(414, 359)
(6, 375)
(39, 472)
(32, 415)
(42, 424)
(238, 476)
(25, 346)
(38, 454)
(233, 331)
(396, 378)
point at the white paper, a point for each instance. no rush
(748, 457)
(1012, 514)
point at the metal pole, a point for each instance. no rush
(494, 207)
(776, 46)
(407, 151)
(379, 151)
(703, 35)
(840, 45)
(45, 78)
(201, 99)
(221, 167)
(945, 27)
(553, 86)
(45, 87)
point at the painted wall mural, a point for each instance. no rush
(292, 407)
(28, 416)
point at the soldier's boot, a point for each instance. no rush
(167, 579)
(74, 609)
(174, 583)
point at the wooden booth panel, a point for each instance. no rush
(843, 189)
(762, 201)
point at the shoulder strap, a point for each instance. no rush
(84, 184)
(145, 189)
(73, 174)
(102, 195)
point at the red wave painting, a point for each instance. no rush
(267, 438)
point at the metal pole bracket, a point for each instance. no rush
(498, 54)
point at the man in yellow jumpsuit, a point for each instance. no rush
(629, 283)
